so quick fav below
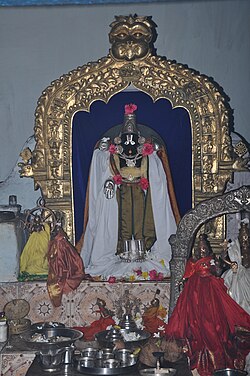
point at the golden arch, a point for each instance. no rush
(159, 78)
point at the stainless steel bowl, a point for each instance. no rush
(123, 354)
(52, 360)
(111, 363)
(105, 340)
(229, 372)
(89, 352)
(86, 361)
(53, 336)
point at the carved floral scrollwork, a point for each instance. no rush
(177, 266)
(37, 159)
(208, 124)
(55, 189)
(26, 165)
(130, 72)
(209, 183)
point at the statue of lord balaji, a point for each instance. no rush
(136, 133)
(131, 204)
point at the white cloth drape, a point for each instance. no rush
(238, 283)
(101, 233)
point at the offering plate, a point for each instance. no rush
(54, 338)
(106, 361)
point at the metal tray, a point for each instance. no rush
(157, 372)
(107, 371)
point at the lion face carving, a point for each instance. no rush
(131, 37)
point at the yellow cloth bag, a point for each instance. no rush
(34, 259)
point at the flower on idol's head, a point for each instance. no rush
(112, 149)
(144, 184)
(117, 179)
(147, 149)
(131, 278)
(130, 108)
(111, 279)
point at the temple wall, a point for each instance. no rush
(78, 307)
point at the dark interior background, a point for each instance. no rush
(173, 125)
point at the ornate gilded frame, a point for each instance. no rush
(51, 160)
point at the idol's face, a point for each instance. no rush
(129, 143)
(203, 252)
(130, 41)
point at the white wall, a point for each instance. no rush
(38, 44)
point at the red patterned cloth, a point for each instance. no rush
(66, 270)
(99, 325)
(95, 327)
(206, 317)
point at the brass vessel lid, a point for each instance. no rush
(17, 309)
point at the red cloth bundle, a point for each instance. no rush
(66, 269)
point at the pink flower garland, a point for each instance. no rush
(144, 183)
(117, 179)
(112, 149)
(147, 149)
